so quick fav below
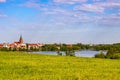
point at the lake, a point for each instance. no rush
(82, 53)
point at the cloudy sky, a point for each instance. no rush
(60, 21)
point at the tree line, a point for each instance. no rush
(113, 50)
(62, 47)
(112, 53)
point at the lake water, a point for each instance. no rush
(83, 53)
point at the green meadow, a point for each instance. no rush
(26, 66)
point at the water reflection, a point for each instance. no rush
(83, 53)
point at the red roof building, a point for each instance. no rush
(1, 45)
(38, 45)
(21, 45)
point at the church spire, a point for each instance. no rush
(21, 40)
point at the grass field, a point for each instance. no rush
(26, 66)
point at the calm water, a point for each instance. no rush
(84, 53)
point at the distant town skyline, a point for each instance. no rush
(60, 21)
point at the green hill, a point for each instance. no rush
(26, 66)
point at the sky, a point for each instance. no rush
(60, 21)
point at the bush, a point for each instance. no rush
(115, 56)
(100, 55)
(59, 53)
(70, 53)
(113, 52)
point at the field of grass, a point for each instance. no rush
(26, 66)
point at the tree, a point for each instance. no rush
(113, 52)
(100, 55)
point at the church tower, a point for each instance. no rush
(21, 40)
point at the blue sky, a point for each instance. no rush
(60, 21)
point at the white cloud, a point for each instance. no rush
(69, 1)
(108, 4)
(33, 4)
(3, 15)
(60, 11)
(81, 13)
(99, 6)
(2, 1)
(96, 0)
(109, 20)
(90, 8)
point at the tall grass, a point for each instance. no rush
(26, 66)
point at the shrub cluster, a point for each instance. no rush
(113, 53)
(100, 55)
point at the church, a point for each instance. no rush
(21, 45)
(18, 44)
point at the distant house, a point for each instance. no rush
(69, 45)
(12, 45)
(1, 45)
(17, 45)
(34, 46)
(6, 45)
